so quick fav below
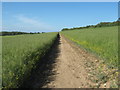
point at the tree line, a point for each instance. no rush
(101, 24)
(4, 33)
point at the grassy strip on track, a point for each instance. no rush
(20, 53)
(101, 41)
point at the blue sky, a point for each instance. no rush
(53, 16)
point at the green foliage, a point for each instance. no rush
(5, 33)
(102, 24)
(113, 84)
(101, 41)
(20, 54)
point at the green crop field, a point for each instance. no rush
(101, 41)
(20, 53)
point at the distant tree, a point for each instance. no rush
(101, 24)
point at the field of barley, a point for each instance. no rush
(20, 54)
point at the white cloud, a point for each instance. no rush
(28, 23)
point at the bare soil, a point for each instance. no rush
(70, 69)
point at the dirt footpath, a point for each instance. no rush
(70, 68)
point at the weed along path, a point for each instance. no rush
(67, 66)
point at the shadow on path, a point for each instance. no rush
(43, 73)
